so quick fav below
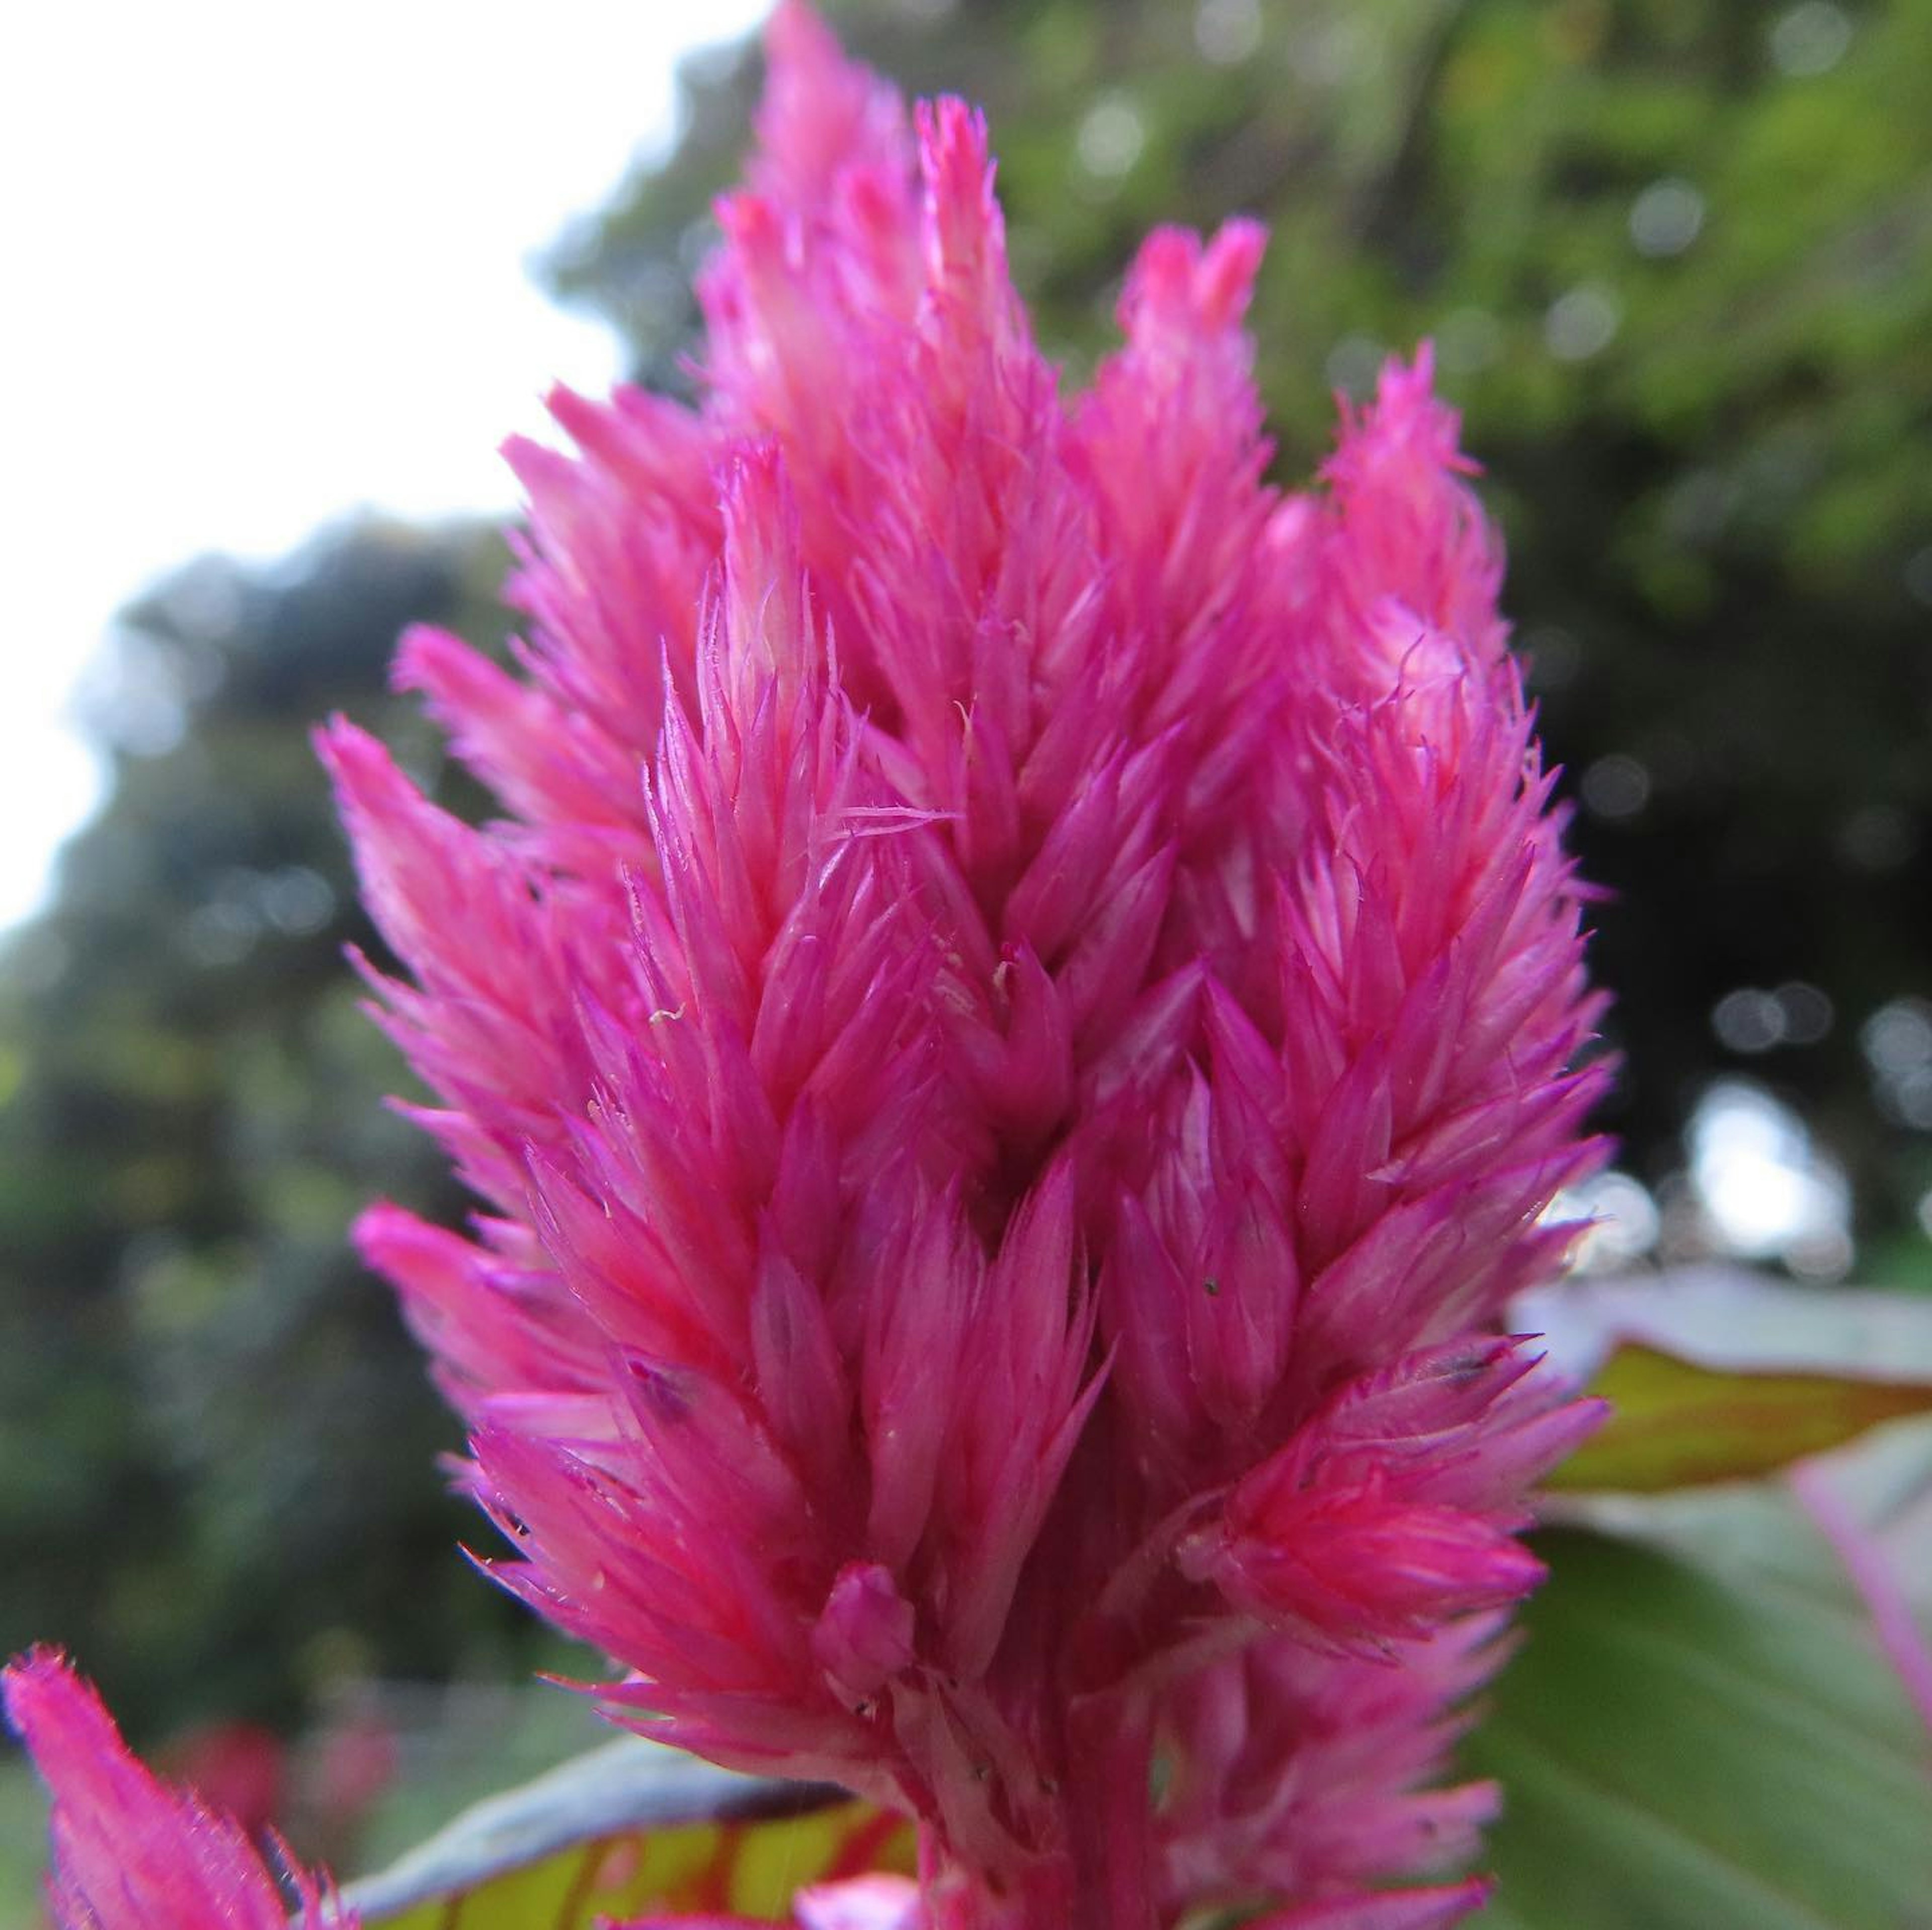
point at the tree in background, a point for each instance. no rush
(218, 1447)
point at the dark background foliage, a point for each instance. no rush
(1676, 258)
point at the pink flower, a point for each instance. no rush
(1014, 1041)
(876, 1902)
(131, 1853)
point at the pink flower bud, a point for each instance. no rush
(865, 1637)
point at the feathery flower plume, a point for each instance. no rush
(131, 1853)
(1013, 1042)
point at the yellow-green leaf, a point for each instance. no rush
(1674, 1424)
(1717, 1375)
(628, 1829)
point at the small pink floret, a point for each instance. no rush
(130, 1851)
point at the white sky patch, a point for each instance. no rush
(266, 266)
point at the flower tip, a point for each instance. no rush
(1178, 285)
(1228, 269)
(431, 663)
(949, 126)
(322, 737)
(752, 225)
(347, 752)
(795, 36)
(956, 161)
(380, 1230)
(43, 1695)
(824, 119)
(1591, 1414)
(753, 490)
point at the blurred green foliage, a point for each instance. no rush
(216, 1450)
(1676, 258)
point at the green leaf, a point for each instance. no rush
(1716, 1375)
(627, 1828)
(1704, 1744)
(1674, 1424)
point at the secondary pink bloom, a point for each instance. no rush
(131, 1852)
(877, 1902)
(1014, 1041)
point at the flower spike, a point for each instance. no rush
(1013, 1044)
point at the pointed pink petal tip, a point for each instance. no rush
(1176, 278)
(795, 35)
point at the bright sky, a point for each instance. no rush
(268, 264)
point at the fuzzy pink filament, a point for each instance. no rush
(131, 1852)
(1014, 1041)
